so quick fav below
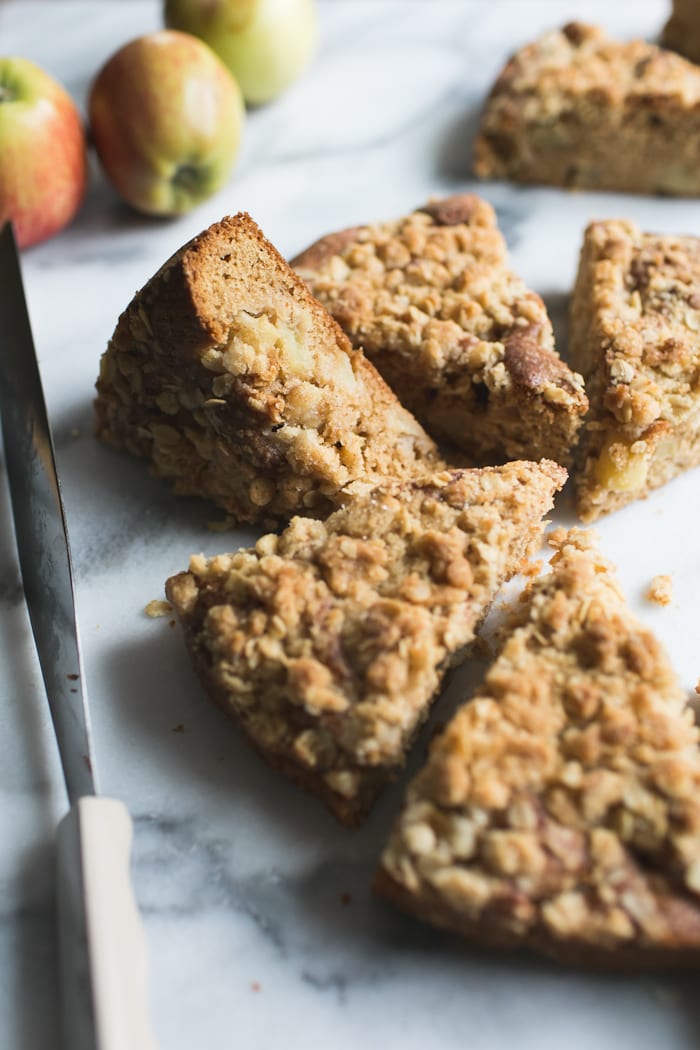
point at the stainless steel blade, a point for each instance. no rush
(40, 527)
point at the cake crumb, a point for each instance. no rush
(179, 728)
(255, 986)
(660, 590)
(157, 608)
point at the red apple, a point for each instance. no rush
(166, 119)
(43, 164)
(265, 43)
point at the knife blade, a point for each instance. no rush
(101, 940)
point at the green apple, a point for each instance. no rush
(43, 163)
(166, 118)
(265, 43)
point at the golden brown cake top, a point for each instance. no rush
(562, 804)
(639, 315)
(436, 284)
(564, 66)
(332, 636)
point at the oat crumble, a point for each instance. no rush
(560, 809)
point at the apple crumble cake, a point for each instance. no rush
(327, 643)
(560, 809)
(576, 108)
(233, 381)
(682, 31)
(461, 340)
(635, 335)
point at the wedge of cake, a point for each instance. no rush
(235, 384)
(328, 643)
(635, 335)
(560, 809)
(682, 31)
(457, 335)
(578, 109)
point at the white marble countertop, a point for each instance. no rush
(261, 928)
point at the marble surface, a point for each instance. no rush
(261, 929)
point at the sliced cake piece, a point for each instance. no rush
(328, 643)
(560, 809)
(228, 376)
(635, 335)
(682, 31)
(457, 335)
(578, 109)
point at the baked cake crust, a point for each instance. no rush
(635, 335)
(682, 31)
(560, 809)
(465, 345)
(576, 108)
(328, 643)
(228, 376)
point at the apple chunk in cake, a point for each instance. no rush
(328, 642)
(576, 108)
(635, 335)
(235, 384)
(461, 340)
(560, 809)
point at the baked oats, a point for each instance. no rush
(328, 643)
(235, 384)
(682, 31)
(462, 341)
(635, 335)
(560, 809)
(576, 108)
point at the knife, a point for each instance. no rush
(102, 947)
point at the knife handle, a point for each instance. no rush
(102, 946)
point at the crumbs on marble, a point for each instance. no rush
(157, 608)
(660, 590)
(179, 728)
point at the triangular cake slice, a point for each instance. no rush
(560, 809)
(462, 341)
(328, 643)
(576, 108)
(235, 384)
(635, 335)
(682, 31)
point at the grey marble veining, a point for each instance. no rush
(261, 925)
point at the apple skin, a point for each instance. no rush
(43, 160)
(166, 118)
(265, 43)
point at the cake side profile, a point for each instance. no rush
(328, 643)
(461, 340)
(682, 31)
(576, 108)
(560, 808)
(635, 335)
(235, 384)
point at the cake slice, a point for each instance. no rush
(235, 384)
(457, 335)
(578, 109)
(560, 809)
(682, 31)
(328, 643)
(635, 335)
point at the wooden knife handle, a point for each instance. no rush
(102, 944)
